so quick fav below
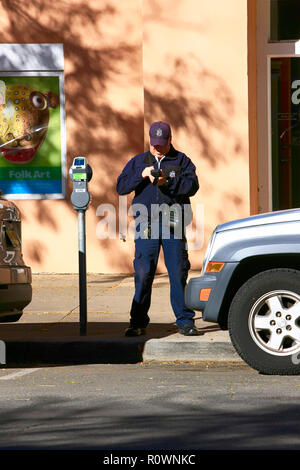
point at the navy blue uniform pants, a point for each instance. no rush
(145, 263)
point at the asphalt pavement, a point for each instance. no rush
(50, 330)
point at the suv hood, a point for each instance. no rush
(289, 215)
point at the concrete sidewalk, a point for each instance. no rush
(49, 330)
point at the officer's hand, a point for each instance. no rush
(147, 172)
(162, 179)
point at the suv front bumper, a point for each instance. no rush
(218, 283)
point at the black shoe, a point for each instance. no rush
(188, 330)
(131, 331)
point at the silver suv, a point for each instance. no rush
(15, 277)
(250, 285)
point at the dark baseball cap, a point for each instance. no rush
(159, 133)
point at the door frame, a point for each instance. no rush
(265, 51)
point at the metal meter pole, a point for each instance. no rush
(81, 173)
(82, 273)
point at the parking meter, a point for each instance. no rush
(80, 174)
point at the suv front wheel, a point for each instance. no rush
(264, 322)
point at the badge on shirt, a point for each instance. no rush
(172, 174)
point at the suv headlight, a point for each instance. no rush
(208, 251)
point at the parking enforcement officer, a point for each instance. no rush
(176, 182)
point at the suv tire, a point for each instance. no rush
(264, 322)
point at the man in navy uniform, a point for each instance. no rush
(175, 184)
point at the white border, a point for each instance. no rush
(29, 57)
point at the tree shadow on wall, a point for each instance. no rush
(107, 135)
(200, 116)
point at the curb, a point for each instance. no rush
(92, 350)
(172, 349)
(73, 351)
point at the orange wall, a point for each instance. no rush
(126, 65)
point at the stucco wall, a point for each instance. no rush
(126, 65)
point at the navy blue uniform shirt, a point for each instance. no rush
(182, 181)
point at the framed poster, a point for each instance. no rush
(32, 136)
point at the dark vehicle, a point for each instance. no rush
(250, 285)
(15, 276)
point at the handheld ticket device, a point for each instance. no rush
(80, 174)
